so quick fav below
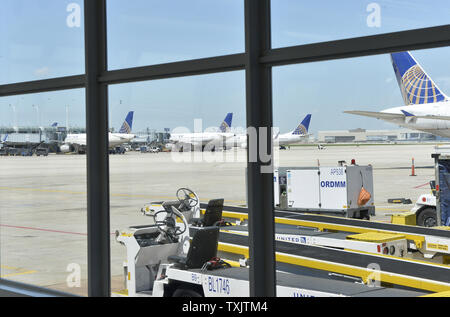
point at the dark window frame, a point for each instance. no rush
(257, 61)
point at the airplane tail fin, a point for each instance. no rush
(127, 124)
(415, 85)
(226, 124)
(5, 138)
(303, 127)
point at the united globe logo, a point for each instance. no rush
(300, 130)
(418, 88)
(224, 127)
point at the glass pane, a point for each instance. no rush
(302, 22)
(154, 32)
(43, 192)
(149, 172)
(370, 88)
(40, 39)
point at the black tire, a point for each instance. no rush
(427, 217)
(186, 292)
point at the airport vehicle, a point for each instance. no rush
(325, 190)
(117, 150)
(41, 151)
(154, 149)
(425, 210)
(433, 209)
(26, 152)
(12, 151)
(77, 142)
(387, 244)
(425, 243)
(426, 108)
(299, 134)
(161, 261)
(204, 141)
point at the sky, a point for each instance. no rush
(44, 39)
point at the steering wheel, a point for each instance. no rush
(190, 199)
(170, 224)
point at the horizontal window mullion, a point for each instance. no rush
(177, 69)
(45, 85)
(360, 46)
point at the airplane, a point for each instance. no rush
(295, 136)
(77, 142)
(426, 108)
(202, 140)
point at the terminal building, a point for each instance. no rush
(50, 137)
(363, 135)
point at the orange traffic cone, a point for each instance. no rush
(413, 172)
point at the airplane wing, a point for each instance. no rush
(378, 115)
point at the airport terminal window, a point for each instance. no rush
(312, 95)
(41, 39)
(303, 22)
(43, 192)
(144, 171)
(154, 32)
(365, 86)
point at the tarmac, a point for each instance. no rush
(43, 199)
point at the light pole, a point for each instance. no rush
(14, 115)
(37, 115)
(67, 119)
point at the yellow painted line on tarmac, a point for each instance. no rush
(17, 273)
(5, 267)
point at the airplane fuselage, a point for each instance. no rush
(114, 139)
(289, 138)
(200, 138)
(433, 126)
(282, 139)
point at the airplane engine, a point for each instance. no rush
(65, 148)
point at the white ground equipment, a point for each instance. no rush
(149, 246)
(326, 190)
(173, 258)
(425, 209)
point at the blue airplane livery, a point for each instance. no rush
(226, 124)
(426, 107)
(127, 124)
